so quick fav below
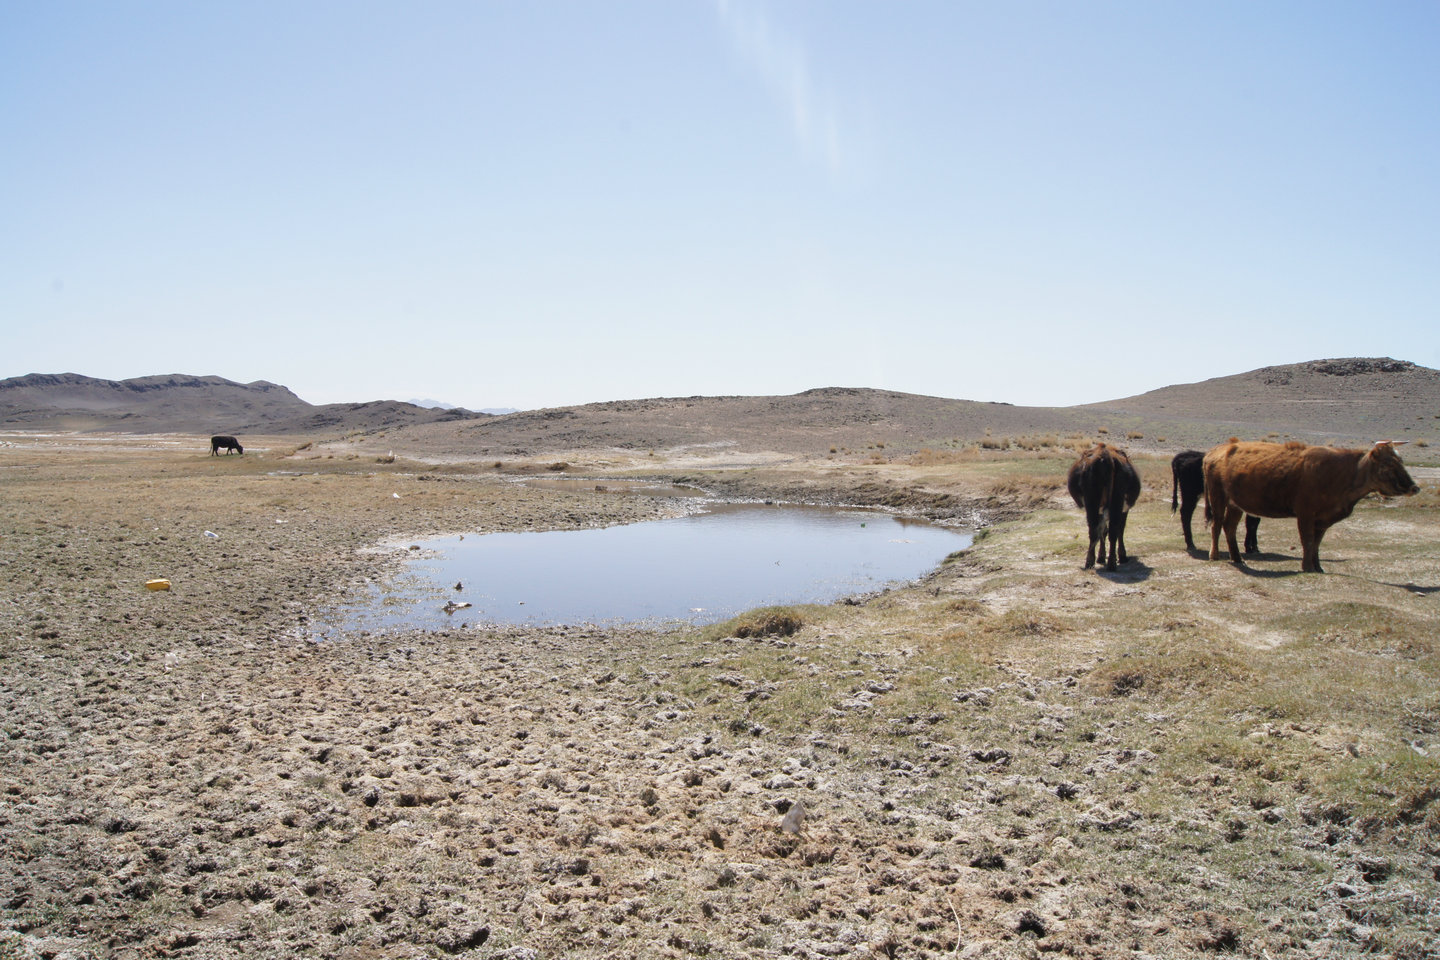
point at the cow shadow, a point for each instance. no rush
(1258, 574)
(1414, 588)
(1131, 571)
(1267, 556)
(1329, 563)
(1203, 553)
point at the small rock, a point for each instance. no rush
(517, 953)
(462, 938)
(794, 818)
(993, 755)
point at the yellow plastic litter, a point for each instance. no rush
(157, 584)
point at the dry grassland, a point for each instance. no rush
(1013, 758)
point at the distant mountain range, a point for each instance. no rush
(1350, 401)
(440, 405)
(180, 403)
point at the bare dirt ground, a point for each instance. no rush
(1014, 758)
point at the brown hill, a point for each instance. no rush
(1349, 401)
(179, 403)
(804, 423)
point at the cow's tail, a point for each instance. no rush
(1105, 480)
(1174, 488)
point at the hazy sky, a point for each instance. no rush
(541, 203)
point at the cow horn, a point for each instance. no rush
(1390, 443)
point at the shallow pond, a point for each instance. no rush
(700, 568)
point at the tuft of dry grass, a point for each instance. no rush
(764, 622)
(1171, 667)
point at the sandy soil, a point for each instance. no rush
(982, 773)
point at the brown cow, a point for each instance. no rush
(1104, 484)
(1318, 486)
(1187, 472)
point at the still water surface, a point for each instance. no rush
(700, 568)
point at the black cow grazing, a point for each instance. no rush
(1105, 485)
(227, 444)
(1187, 472)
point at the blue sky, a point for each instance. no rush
(537, 204)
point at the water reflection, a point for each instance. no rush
(700, 568)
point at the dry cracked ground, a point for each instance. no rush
(1014, 758)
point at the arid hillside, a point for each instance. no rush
(1351, 400)
(180, 403)
(1347, 401)
(1342, 401)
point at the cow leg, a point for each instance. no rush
(1320, 529)
(1230, 523)
(1187, 513)
(1117, 539)
(1309, 545)
(1215, 507)
(1252, 534)
(1097, 522)
(1310, 534)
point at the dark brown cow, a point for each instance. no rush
(1318, 486)
(1187, 473)
(1104, 484)
(227, 444)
